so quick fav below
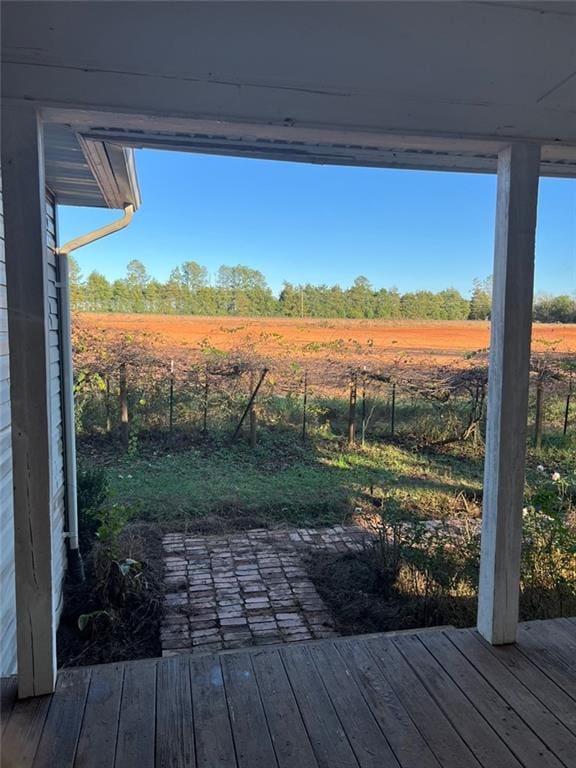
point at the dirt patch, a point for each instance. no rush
(102, 622)
(361, 599)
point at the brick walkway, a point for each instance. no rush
(248, 588)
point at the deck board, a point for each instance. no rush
(369, 743)
(254, 748)
(61, 731)
(404, 737)
(137, 724)
(97, 742)
(490, 750)
(432, 699)
(547, 727)
(289, 736)
(174, 720)
(211, 714)
(486, 698)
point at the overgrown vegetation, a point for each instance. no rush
(115, 614)
(420, 574)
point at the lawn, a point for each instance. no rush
(284, 481)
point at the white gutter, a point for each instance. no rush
(68, 376)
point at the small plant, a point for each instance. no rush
(117, 575)
(549, 551)
(92, 492)
(92, 488)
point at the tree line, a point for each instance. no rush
(240, 290)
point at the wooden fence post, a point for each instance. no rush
(253, 415)
(108, 407)
(171, 405)
(305, 405)
(567, 408)
(205, 403)
(363, 437)
(124, 427)
(352, 411)
(393, 410)
(539, 415)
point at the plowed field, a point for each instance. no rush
(440, 342)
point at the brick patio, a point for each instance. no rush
(248, 588)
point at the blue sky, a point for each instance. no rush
(322, 224)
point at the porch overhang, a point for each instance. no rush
(443, 85)
(91, 172)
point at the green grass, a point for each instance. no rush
(284, 481)
(320, 482)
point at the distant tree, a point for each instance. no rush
(136, 274)
(387, 303)
(240, 278)
(451, 305)
(359, 298)
(194, 276)
(290, 301)
(240, 290)
(555, 309)
(245, 290)
(481, 299)
(137, 280)
(75, 282)
(97, 293)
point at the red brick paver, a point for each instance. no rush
(248, 588)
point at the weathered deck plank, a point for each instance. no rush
(97, 743)
(552, 657)
(23, 730)
(406, 741)
(252, 739)
(527, 672)
(443, 739)
(368, 742)
(174, 721)
(490, 750)
(325, 730)
(491, 704)
(211, 714)
(442, 699)
(553, 733)
(136, 727)
(59, 738)
(291, 742)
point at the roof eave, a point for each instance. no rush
(114, 169)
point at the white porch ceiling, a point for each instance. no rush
(408, 84)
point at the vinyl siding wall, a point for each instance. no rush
(56, 411)
(7, 589)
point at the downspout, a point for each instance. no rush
(75, 559)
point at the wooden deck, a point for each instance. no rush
(424, 700)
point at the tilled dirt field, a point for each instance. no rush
(439, 342)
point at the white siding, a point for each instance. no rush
(56, 425)
(7, 590)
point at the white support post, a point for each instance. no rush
(26, 272)
(518, 169)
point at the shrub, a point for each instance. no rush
(92, 490)
(549, 551)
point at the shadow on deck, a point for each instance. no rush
(428, 699)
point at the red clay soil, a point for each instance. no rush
(441, 341)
